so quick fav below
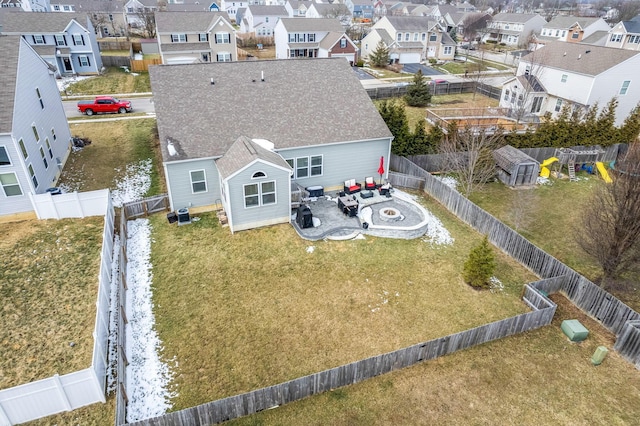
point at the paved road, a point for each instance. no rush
(362, 75)
(140, 105)
(413, 68)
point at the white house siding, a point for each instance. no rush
(281, 40)
(179, 180)
(247, 218)
(608, 84)
(16, 203)
(342, 161)
(27, 111)
(369, 43)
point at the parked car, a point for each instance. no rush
(468, 46)
(438, 81)
(104, 104)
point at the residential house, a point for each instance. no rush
(305, 122)
(138, 13)
(188, 37)
(411, 39)
(360, 9)
(576, 75)
(261, 20)
(625, 35)
(330, 10)
(231, 7)
(313, 38)
(34, 134)
(598, 38)
(571, 29)
(513, 29)
(192, 6)
(65, 40)
(297, 8)
(107, 16)
(18, 4)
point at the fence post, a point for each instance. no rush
(61, 392)
(4, 419)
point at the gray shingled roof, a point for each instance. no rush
(632, 26)
(598, 38)
(411, 23)
(95, 5)
(183, 47)
(323, 8)
(319, 24)
(244, 151)
(168, 22)
(38, 23)
(580, 58)
(331, 39)
(302, 102)
(9, 52)
(263, 10)
(514, 17)
(508, 157)
(385, 36)
(568, 21)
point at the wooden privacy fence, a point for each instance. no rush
(121, 320)
(141, 65)
(145, 207)
(116, 61)
(593, 300)
(344, 375)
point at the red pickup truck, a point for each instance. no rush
(104, 104)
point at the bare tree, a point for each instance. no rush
(610, 224)
(468, 154)
(338, 11)
(474, 23)
(145, 20)
(526, 94)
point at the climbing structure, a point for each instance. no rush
(571, 157)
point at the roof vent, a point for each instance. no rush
(588, 51)
(212, 82)
(261, 75)
(564, 54)
(580, 56)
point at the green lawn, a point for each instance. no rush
(113, 81)
(262, 310)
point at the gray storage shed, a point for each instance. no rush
(515, 168)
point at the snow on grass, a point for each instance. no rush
(148, 377)
(134, 184)
(450, 181)
(112, 366)
(495, 285)
(436, 232)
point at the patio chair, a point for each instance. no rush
(351, 186)
(369, 183)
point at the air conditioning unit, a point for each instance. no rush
(183, 216)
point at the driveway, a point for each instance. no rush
(413, 68)
(361, 74)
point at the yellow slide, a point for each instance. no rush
(544, 169)
(603, 172)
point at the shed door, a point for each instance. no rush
(524, 174)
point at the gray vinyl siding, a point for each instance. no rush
(179, 178)
(33, 73)
(246, 218)
(340, 162)
(17, 203)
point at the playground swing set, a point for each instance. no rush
(589, 160)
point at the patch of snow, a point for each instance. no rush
(114, 312)
(543, 180)
(450, 181)
(436, 232)
(64, 82)
(311, 249)
(495, 285)
(134, 184)
(316, 222)
(148, 378)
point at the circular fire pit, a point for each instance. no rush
(389, 214)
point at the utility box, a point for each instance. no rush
(575, 331)
(599, 355)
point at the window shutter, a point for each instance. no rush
(79, 62)
(186, 38)
(74, 40)
(34, 39)
(65, 39)
(207, 36)
(82, 38)
(88, 61)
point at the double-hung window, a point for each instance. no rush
(60, 40)
(4, 157)
(35, 132)
(39, 98)
(204, 37)
(44, 158)
(34, 179)
(625, 87)
(10, 184)
(38, 39)
(259, 194)
(304, 167)
(78, 40)
(178, 38)
(198, 181)
(223, 38)
(223, 57)
(343, 43)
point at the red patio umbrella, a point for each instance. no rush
(381, 168)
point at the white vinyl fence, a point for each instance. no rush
(56, 394)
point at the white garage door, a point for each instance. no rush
(409, 58)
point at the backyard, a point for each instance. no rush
(49, 287)
(113, 81)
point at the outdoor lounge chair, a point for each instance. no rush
(351, 186)
(369, 183)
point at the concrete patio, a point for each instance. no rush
(409, 219)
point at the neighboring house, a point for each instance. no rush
(189, 37)
(297, 8)
(231, 7)
(410, 39)
(261, 20)
(576, 75)
(625, 35)
(305, 122)
(34, 134)
(106, 16)
(513, 29)
(65, 40)
(571, 29)
(326, 10)
(598, 38)
(137, 12)
(193, 6)
(360, 9)
(313, 38)
(18, 4)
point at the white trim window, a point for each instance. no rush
(343, 43)
(78, 40)
(304, 167)
(60, 40)
(203, 37)
(625, 87)
(38, 39)
(615, 38)
(4, 157)
(23, 149)
(198, 181)
(178, 38)
(259, 194)
(223, 38)
(34, 179)
(564, 78)
(448, 50)
(558, 105)
(399, 37)
(39, 98)
(83, 60)
(44, 158)
(35, 132)
(46, 141)
(634, 39)
(10, 184)
(223, 57)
